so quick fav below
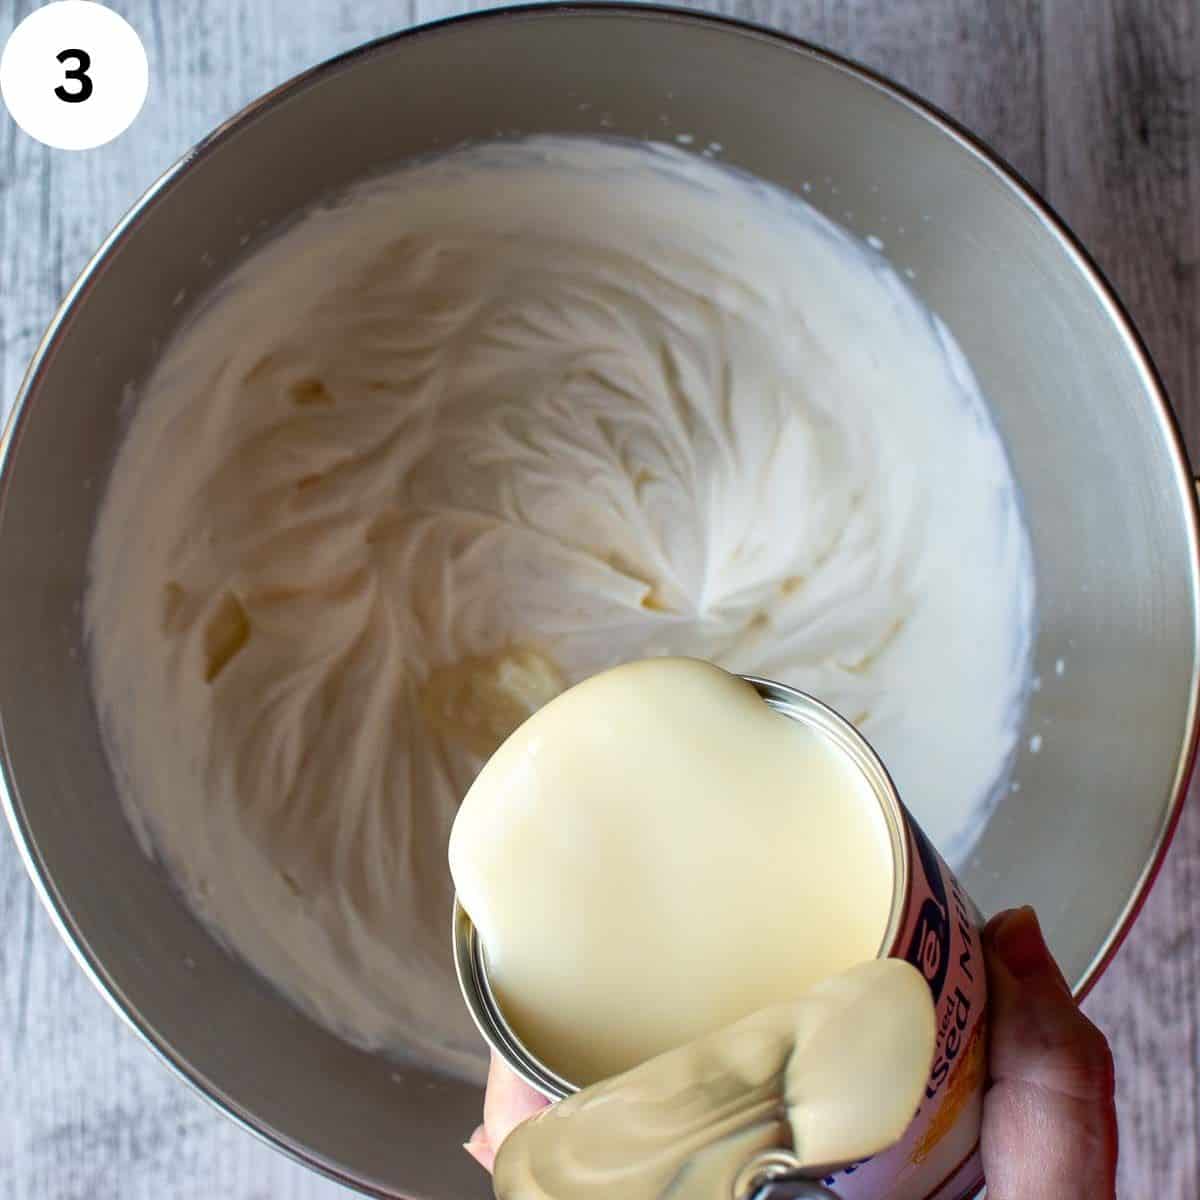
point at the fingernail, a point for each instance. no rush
(1017, 938)
(476, 1144)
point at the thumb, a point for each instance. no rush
(508, 1102)
(1049, 1122)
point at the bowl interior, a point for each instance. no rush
(1105, 484)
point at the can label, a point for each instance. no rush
(938, 1156)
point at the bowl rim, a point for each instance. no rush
(974, 146)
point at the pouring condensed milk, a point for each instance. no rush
(676, 881)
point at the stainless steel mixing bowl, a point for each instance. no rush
(1095, 450)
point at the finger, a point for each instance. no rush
(477, 1147)
(1049, 1126)
(508, 1101)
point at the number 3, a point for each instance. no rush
(83, 60)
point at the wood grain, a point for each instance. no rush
(1095, 101)
(981, 63)
(1122, 138)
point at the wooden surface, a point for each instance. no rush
(1094, 101)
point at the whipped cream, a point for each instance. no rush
(482, 428)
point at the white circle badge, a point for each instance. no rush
(74, 74)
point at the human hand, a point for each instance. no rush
(1049, 1123)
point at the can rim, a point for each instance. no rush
(470, 963)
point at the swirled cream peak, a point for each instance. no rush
(554, 404)
(828, 1079)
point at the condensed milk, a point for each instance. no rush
(834, 1075)
(659, 831)
(651, 857)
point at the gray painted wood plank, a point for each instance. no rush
(1096, 102)
(1122, 137)
(979, 62)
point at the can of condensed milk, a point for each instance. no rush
(932, 924)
